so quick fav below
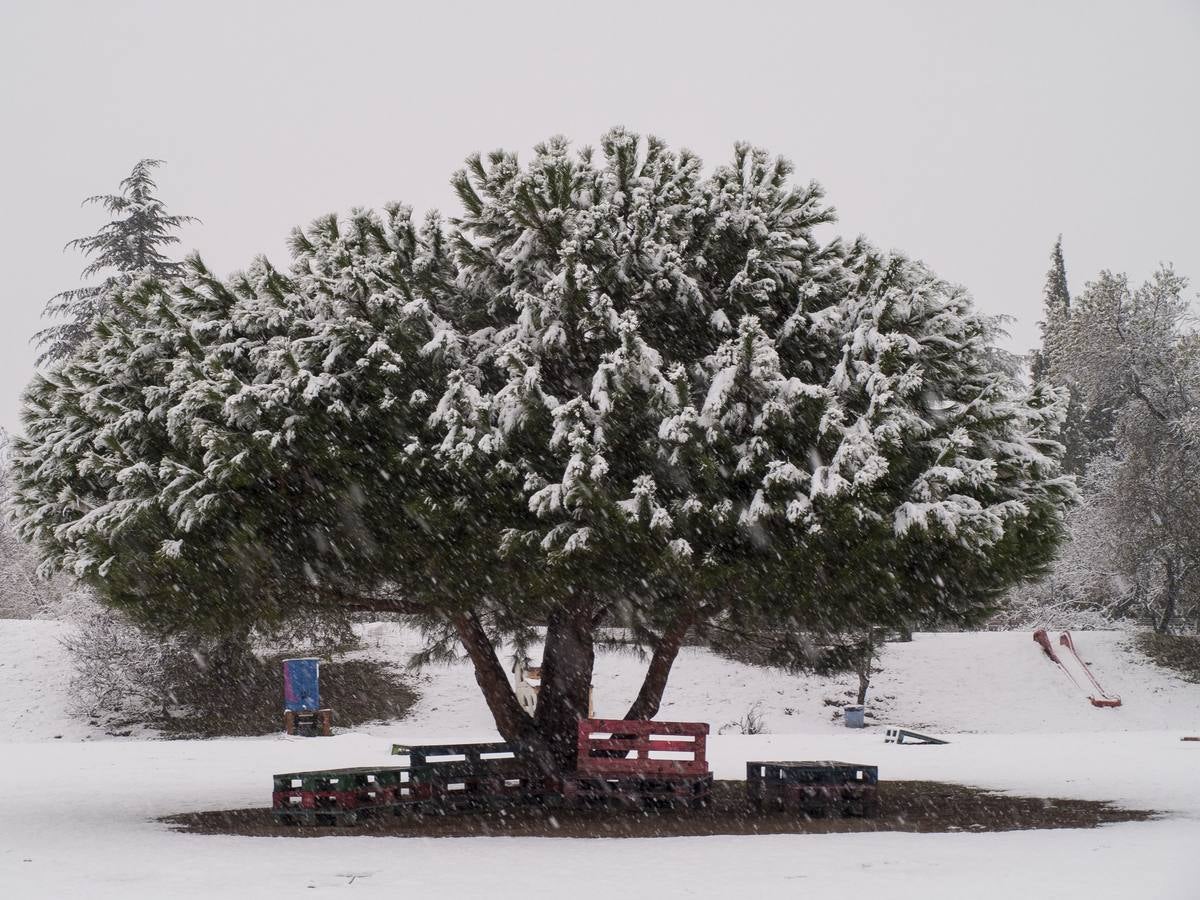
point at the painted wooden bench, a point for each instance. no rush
(337, 796)
(815, 788)
(639, 763)
(445, 777)
(632, 762)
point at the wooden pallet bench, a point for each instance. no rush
(337, 796)
(623, 761)
(639, 762)
(824, 788)
(632, 790)
(449, 777)
(308, 722)
(439, 778)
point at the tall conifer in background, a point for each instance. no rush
(1079, 430)
(1056, 300)
(130, 244)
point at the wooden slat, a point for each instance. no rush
(643, 766)
(599, 754)
(641, 727)
(642, 745)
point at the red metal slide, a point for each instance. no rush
(1097, 696)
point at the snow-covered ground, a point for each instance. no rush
(82, 806)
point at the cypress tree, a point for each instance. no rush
(1056, 304)
(1083, 430)
(130, 244)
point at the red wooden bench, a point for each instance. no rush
(639, 761)
(605, 746)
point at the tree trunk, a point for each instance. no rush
(551, 734)
(864, 682)
(863, 668)
(567, 662)
(650, 695)
(1163, 625)
(513, 723)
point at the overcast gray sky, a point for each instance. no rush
(966, 134)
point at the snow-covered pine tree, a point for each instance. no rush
(616, 390)
(777, 481)
(217, 419)
(129, 245)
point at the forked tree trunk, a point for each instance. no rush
(567, 663)
(551, 735)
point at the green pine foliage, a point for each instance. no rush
(616, 390)
(129, 245)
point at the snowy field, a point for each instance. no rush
(82, 805)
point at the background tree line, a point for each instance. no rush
(1129, 357)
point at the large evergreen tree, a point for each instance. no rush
(616, 390)
(130, 244)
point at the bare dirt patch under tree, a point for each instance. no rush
(913, 806)
(357, 691)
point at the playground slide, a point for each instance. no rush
(1068, 659)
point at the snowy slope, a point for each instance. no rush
(34, 692)
(981, 682)
(988, 682)
(85, 826)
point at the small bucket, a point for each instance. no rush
(854, 717)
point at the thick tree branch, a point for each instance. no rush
(511, 721)
(1135, 380)
(649, 697)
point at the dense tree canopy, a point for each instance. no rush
(616, 391)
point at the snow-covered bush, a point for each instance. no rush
(118, 668)
(1054, 602)
(130, 672)
(23, 594)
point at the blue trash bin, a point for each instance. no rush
(854, 717)
(301, 684)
